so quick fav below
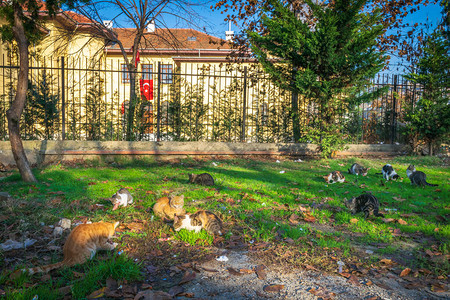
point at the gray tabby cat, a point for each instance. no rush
(389, 172)
(121, 198)
(417, 177)
(202, 179)
(366, 203)
(357, 169)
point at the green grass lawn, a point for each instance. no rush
(258, 203)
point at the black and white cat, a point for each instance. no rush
(366, 203)
(121, 198)
(389, 172)
(357, 169)
(417, 177)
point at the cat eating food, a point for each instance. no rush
(121, 198)
(334, 177)
(80, 246)
(357, 169)
(201, 219)
(389, 172)
(417, 177)
(166, 207)
(366, 203)
(202, 179)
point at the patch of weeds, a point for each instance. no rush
(322, 216)
(119, 267)
(202, 238)
(391, 249)
(294, 232)
(41, 291)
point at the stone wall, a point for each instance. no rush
(47, 151)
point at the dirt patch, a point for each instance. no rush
(219, 280)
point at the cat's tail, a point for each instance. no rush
(41, 269)
(430, 184)
(378, 214)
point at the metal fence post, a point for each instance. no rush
(394, 111)
(63, 99)
(244, 106)
(158, 105)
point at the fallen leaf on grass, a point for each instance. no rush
(260, 272)
(402, 222)
(405, 272)
(293, 219)
(246, 271)
(188, 276)
(437, 190)
(309, 218)
(387, 261)
(388, 220)
(273, 288)
(353, 220)
(97, 294)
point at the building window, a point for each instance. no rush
(166, 73)
(125, 74)
(147, 70)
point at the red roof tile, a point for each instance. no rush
(171, 39)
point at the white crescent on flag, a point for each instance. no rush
(146, 87)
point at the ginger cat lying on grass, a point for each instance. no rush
(81, 245)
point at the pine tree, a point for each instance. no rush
(328, 63)
(430, 116)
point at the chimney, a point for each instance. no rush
(151, 27)
(108, 24)
(229, 35)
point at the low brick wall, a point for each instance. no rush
(46, 151)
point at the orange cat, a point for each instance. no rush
(169, 207)
(81, 245)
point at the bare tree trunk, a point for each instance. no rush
(132, 103)
(15, 111)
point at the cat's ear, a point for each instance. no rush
(182, 197)
(116, 224)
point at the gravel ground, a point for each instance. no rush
(216, 282)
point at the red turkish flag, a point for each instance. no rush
(138, 59)
(146, 88)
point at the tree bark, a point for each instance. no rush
(15, 111)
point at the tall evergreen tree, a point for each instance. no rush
(430, 116)
(328, 62)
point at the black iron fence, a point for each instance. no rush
(182, 101)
